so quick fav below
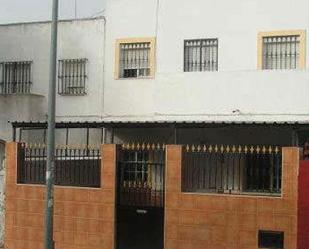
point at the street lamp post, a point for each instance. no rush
(49, 206)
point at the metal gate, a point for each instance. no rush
(141, 175)
(140, 196)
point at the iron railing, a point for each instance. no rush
(141, 175)
(77, 166)
(72, 76)
(232, 170)
(15, 77)
(201, 55)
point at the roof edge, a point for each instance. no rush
(49, 21)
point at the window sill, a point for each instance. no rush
(72, 95)
(216, 71)
(20, 94)
(137, 78)
(282, 70)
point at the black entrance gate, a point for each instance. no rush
(140, 197)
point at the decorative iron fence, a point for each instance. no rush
(141, 175)
(232, 170)
(77, 166)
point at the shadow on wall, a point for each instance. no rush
(2, 177)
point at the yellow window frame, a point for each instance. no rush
(302, 49)
(152, 59)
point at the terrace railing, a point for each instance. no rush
(74, 166)
(232, 169)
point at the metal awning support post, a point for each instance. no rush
(49, 242)
(14, 134)
(175, 134)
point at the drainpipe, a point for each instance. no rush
(104, 65)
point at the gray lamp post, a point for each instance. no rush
(49, 206)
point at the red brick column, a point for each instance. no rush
(83, 217)
(172, 194)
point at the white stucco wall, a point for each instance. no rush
(31, 41)
(238, 92)
(20, 108)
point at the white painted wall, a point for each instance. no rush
(20, 108)
(238, 92)
(31, 41)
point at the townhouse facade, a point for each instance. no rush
(219, 78)
(24, 78)
(138, 75)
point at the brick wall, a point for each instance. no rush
(209, 221)
(303, 204)
(83, 217)
(2, 181)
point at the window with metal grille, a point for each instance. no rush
(201, 55)
(134, 60)
(271, 240)
(72, 76)
(136, 168)
(281, 52)
(15, 77)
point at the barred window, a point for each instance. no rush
(281, 52)
(15, 77)
(135, 60)
(72, 76)
(136, 168)
(201, 55)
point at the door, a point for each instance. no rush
(140, 197)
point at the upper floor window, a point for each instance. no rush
(282, 50)
(72, 76)
(15, 77)
(135, 58)
(201, 55)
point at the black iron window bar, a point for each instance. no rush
(134, 60)
(281, 52)
(74, 165)
(72, 75)
(201, 55)
(232, 170)
(15, 77)
(141, 175)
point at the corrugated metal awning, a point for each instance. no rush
(119, 124)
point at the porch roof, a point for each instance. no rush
(154, 124)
